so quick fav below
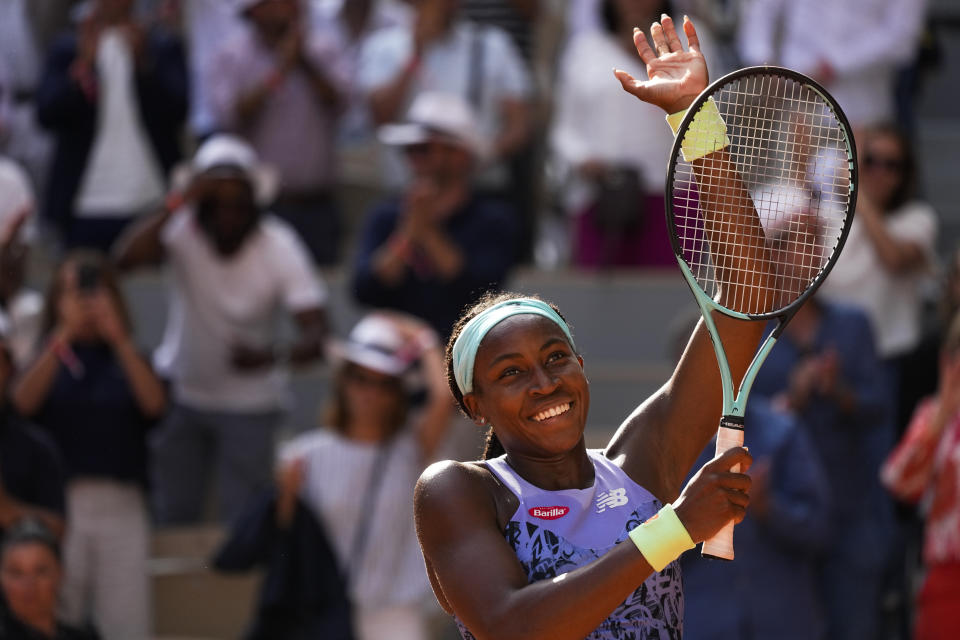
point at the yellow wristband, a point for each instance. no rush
(705, 135)
(662, 538)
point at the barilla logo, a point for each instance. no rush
(549, 513)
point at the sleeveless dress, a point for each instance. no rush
(554, 532)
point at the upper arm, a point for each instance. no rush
(456, 518)
(663, 437)
(300, 287)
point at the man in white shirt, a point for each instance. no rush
(443, 54)
(113, 94)
(232, 267)
(853, 47)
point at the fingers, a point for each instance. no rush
(629, 83)
(659, 39)
(692, 40)
(643, 47)
(730, 458)
(670, 33)
(737, 498)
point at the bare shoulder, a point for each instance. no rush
(449, 484)
(461, 509)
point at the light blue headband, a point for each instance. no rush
(467, 343)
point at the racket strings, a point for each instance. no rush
(789, 150)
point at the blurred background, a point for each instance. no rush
(411, 155)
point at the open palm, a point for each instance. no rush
(676, 76)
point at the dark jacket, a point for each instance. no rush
(71, 115)
(303, 595)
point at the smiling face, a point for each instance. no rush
(530, 385)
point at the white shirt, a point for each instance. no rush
(122, 177)
(337, 478)
(446, 65)
(355, 124)
(597, 119)
(209, 23)
(865, 41)
(217, 303)
(17, 46)
(892, 302)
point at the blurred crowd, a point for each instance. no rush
(425, 149)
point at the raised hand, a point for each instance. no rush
(675, 77)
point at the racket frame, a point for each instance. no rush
(730, 432)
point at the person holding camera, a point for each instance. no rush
(93, 391)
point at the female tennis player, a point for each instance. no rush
(552, 540)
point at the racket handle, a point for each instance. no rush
(729, 435)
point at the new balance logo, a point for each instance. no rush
(611, 499)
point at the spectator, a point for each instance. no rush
(854, 48)
(611, 176)
(266, 79)
(20, 137)
(233, 267)
(440, 245)
(30, 577)
(771, 590)
(824, 369)
(114, 95)
(207, 25)
(375, 447)
(21, 306)
(31, 473)
(351, 24)
(924, 469)
(518, 18)
(890, 252)
(97, 396)
(444, 54)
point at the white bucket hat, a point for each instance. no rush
(438, 116)
(376, 343)
(228, 151)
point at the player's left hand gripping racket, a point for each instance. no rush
(759, 203)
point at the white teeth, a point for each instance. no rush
(551, 412)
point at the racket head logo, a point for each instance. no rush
(548, 513)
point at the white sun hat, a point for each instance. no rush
(377, 343)
(224, 151)
(438, 116)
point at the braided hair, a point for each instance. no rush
(492, 448)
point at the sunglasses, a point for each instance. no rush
(886, 163)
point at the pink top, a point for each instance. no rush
(294, 132)
(927, 467)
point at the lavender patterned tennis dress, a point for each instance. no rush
(553, 532)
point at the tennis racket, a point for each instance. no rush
(759, 204)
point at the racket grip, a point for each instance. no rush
(729, 435)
